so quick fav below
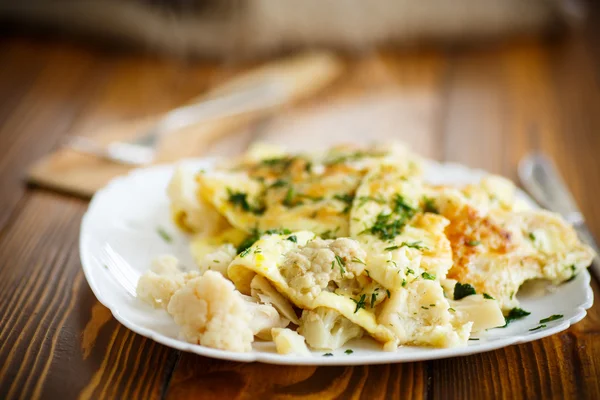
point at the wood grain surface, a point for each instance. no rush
(482, 107)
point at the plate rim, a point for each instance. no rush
(272, 358)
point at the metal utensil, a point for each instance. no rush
(542, 180)
(263, 94)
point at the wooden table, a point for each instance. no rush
(485, 108)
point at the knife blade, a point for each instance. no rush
(541, 179)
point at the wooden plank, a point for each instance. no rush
(55, 339)
(40, 112)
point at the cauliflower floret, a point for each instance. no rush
(218, 260)
(157, 286)
(189, 211)
(264, 317)
(325, 328)
(289, 342)
(322, 264)
(262, 290)
(420, 314)
(212, 313)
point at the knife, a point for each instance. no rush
(541, 179)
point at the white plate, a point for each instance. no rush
(122, 221)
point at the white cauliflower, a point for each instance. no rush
(218, 260)
(288, 341)
(189, 211)
(212, 313)
(157, 286)
(263, 291)
(322, 265)
(264, 317)
(325, 328)
(420, 314)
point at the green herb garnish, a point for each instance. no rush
(473, 243)
(487, 296)
(358, 260)
(463, 290)
(327, 355)
(409, 271)
(473, 338)
(245, 252)
(391, 248)
(341, 263)
(551, 318)
(388, 293)
(514, 314)
(347, 199)
(292, 238)
(360, 303)
(537, 327)
(279, 183)
(427, 275)
(429, 205)
(414, 245)
(531, 236)
(164, 235)
(349, 351)
(240, 199)
(373, 298)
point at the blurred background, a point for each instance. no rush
(492, 75)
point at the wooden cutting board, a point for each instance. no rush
(82, 175)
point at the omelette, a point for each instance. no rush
(351, 241)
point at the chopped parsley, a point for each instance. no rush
(240, 199)
(473, 338)
(327, 354)
(414, 245)
(349, 351)
(347, 199)
(245, 252)
(164, 235)
(531, 236)
(429, 205)
(292, 238)
(388, 293)
(362, 200)
(487, 296)
(391, 248)
(388, 226)
(463, 290)
(514, 314)
(282, 163)
(256, 234)
(279, 183)
(409, 271)
(289, 196)
(360, 303)
(425, 308)
(354, 156)
(537, 327)
(217, 261)
(403, 282)
(473, 243)
(427, 275)
(341, 263)
(451, 309)
(358, 260)
(373, 298)
(573, 274)
(551, 318)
